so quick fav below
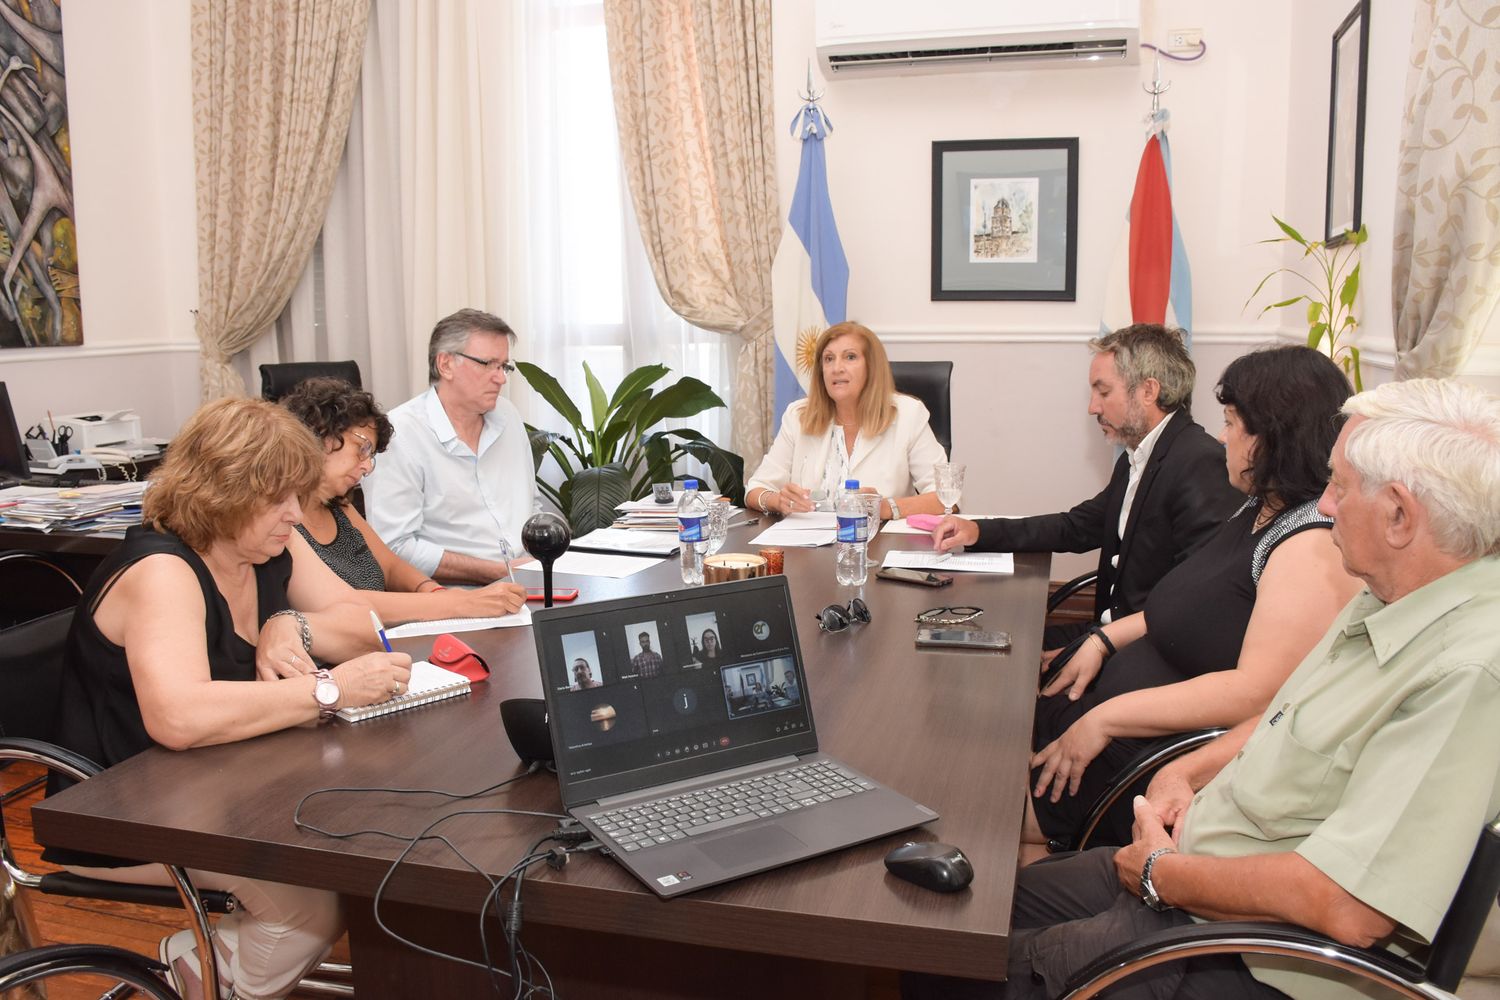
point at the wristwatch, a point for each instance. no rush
(1149, 894)
(895, 511)
(326, 693)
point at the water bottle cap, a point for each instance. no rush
(690, 484)
(851, 484)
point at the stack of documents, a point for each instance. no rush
(952, 562)
(648, 514)
(641, 543)
(108, 508)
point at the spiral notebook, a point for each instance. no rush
(429, 683)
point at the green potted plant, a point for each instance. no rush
(1330, 302)
(616, 455)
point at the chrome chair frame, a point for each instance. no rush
(133, 973)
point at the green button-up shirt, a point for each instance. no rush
(1379, 759)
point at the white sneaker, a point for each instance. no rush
(179, 953)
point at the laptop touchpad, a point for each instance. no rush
(752, 846)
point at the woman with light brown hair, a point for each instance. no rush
(202, 628)
(852, 425)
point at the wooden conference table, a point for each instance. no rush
(950, 729)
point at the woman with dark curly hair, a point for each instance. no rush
(354, 430)
(1224, 628)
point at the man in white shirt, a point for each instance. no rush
(451, 492)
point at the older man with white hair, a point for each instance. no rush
(1353, 805)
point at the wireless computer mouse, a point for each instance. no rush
(940, 867)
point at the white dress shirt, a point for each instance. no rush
(1138, 459)
(430, 493)
(897, 462)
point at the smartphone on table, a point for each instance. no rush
(949, 637)
(558, 593)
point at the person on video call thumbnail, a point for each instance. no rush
(647, 662)
(709, 651)
(583, 676)
(793, 692)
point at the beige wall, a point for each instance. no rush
(130, 121)
(1248, 131)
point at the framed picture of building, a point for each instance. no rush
(1005, 219)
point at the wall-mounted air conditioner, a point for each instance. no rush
(867, 37)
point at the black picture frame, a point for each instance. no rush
(1346, 125)
(980, 251)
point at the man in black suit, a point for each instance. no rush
(1169, 489)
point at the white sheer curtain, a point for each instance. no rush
(483, 170)
(591, 294)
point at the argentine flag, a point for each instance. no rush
(1150, 281)
(810, 277)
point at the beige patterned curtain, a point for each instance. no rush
(1446, 275)
(273, 85)
(692, 87)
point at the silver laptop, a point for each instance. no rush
(684, 737)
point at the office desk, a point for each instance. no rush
(950, 729)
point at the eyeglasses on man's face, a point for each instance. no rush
(837, 617)
(490, 365)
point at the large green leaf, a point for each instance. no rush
(1315, 334)
(637, 380)
(541, 441)
(1350, 288)
(549, 389)
(598, 402)
(727, 468)
(1290, 231)
(594, 496)
(683, 398)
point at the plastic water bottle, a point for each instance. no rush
(692, 532)
(850, 565)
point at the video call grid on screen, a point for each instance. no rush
(681, 679)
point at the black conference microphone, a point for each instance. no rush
(546, 536)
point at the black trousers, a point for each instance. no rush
(1070, 909)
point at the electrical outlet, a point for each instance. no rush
(1184, 39)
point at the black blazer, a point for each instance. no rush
(1184, 495)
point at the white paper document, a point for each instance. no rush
(594, 564)
(963, 562)
(789, 537)
(625, 540)
(902, 528)
(438, 627)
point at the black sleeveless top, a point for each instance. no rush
(98, 715)
(348, 554)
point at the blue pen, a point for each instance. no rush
(380, 631)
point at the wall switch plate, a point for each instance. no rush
(1184, 39)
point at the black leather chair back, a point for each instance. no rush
(31, 674)
(33, 586)
(929, 381)
(278, 380)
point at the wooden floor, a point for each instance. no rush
(60, 920)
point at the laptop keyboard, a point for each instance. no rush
(705, 810)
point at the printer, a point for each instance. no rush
(109, 429)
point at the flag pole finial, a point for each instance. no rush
(809, 96)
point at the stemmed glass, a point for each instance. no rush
(950, 484)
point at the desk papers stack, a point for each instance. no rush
(108, 508)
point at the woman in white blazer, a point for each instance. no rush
(852, 425)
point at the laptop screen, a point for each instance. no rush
(667, 687)
(12, 449)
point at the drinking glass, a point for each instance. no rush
(718, 525)
(872, 503)
(950, 484)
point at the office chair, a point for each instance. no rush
(1426, 976)
(131, 972)
(1132, 780)
(279, 379)
(41, 704)
(1070, 588)
(33, 586)
(929, 381)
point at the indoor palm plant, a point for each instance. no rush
(616, 455)
(1330, 301)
